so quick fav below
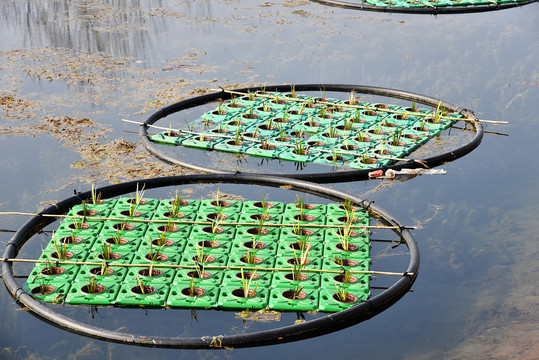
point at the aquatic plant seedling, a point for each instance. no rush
(249, 257)
(106, 251)
(78, 222)
(265, 106)
(300, 203)
(84, 205)
(352, 99)
(437, 114)
(92, 285)
(161, 239)
(334, 155)
(301, 257)
(247, 282)
(344, 236)
(348, 125)
(190, 127)
(299, 132)
(332, 132)
(133, 209)
(347, 204)
(175, 205)
(139, 284)
(216, 222)
(303, 242)
(153, 254)
(341, 293)
(139, 195)
(96, 197)
(297, 291)
(238, 137)
(300, 148)
(265, 144)
(251, 95)
(200, 257)
(59, 247)
(396, 136)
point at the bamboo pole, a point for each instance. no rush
(370, 107)
(196, 266)
(179, 222)
(260, 141)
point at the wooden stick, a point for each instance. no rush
(195, 266)
(179, 222)
(368, 107)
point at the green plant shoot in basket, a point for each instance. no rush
(96, 197)
(246, 283)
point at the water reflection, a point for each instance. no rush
(118, 28)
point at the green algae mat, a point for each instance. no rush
(225, 254)
(304, 129)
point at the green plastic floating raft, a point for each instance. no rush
(304, 129)
(207, 254)
(427, 6)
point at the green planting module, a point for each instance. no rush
(191, 254)
(300, 128)
(438, 3)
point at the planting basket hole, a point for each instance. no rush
(94, 289)
(194, 292)
(120, 241)
(67, 255)
(98, 271)
(298, 262)
(349, 298)
(204, 259)
(216, 216)
(345, 262)
(111, 256)
(260, 217)
(177, 216)
(292, 277)
(199, 274)
(334, 171)
(162, 242)
(54, 270)
(257, 231)
(148, 273)
(341, 278)
(156, 257)
(253, 260)
(319, 325)
(168, 228)
(88, 212)
(247, 275)
(350, 247)
(143, 290)
(241, 293)
(82, 226)
(209, 244)
(43, 290)
(212, 230)
(68, 240)
(123, 227)
(293, 295)
(252, 245)
(130, 214)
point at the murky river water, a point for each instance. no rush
(476, 295)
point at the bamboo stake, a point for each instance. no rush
(195, 266)
(260, 141)
(179, 222)
(369, 107)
